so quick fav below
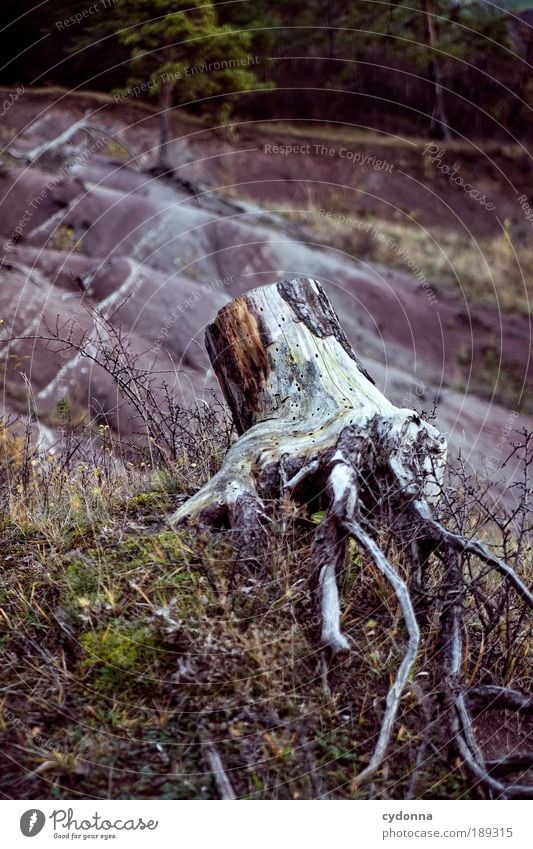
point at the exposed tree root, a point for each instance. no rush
(220, 776)
(499, 698)
(314, 426)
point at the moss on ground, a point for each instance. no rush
(115, 658)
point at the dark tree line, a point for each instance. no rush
(441, 67)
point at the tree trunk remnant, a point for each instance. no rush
(313, 425)
(439, 126)
(165, 103)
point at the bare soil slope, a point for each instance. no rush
(91, 223)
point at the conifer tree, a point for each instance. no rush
(180, 48)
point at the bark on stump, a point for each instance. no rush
(311, 420)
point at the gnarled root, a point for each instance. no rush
(314, 427)
(359, 450)
(461, 703)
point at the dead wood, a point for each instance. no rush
(313, 424)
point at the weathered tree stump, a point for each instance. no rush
(311, 421)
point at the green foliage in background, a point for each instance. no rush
(367, 63)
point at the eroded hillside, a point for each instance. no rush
(430, 288)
